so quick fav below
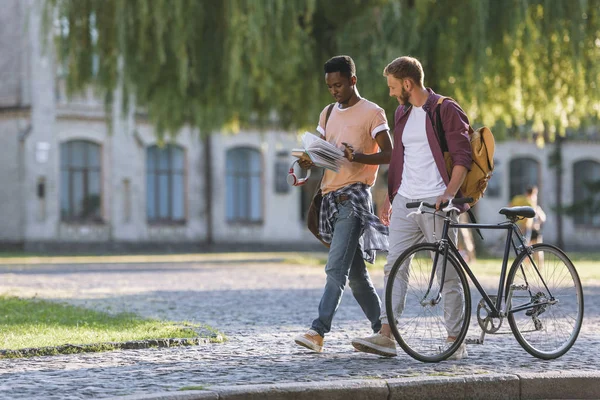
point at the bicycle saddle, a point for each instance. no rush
(522, 211)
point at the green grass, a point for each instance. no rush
(585, 263)
(32, 323)
(9, 259)
(305, 259)
(20, 254)
(587, 269)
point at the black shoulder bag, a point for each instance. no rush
(313, 217)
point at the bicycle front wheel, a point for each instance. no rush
(420, 317)
(548, 299)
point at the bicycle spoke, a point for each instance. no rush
(421, 327)
(550, 326)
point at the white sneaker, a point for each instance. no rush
(376, 344)
(460, 353)
(311, 340)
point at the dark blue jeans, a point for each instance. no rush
(345, 264)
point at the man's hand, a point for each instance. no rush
(348, 151)
(386, 211)
(443, 199)
(305, 163)
(459, 173)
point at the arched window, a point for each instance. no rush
(523, 172)
(586, 193)
(243, 185)
(80, 181)
(165, 184)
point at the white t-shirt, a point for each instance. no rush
(420, 176)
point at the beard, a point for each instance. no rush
(404, 97)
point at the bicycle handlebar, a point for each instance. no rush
(458, 201)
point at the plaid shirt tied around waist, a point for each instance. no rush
(374, 234)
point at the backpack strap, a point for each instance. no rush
(474, 221)
(444, 145)
(439, 126)
(329, 110)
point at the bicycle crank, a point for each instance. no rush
(487, 323)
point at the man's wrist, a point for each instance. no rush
(446, 194)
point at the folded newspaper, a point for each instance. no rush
(321, 152)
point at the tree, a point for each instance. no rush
(524, 67)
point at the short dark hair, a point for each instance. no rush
(530, 188)
(342, 64)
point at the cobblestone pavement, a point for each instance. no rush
(260, 307)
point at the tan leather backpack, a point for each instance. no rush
(482, 150)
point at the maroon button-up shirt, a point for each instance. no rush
(456, 127)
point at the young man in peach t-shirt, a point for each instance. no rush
(347, 221)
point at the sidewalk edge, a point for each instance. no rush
(555, 385)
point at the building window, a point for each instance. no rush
(80, 186)
(282, 167)
(165, 181)
(586, 193)
(243, 185)
(524, 172)
(494, 188)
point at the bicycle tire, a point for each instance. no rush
(545, 331)
(418, 327)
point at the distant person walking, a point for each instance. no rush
(347, 219)
(530, 227)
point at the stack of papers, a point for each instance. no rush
(321, 152)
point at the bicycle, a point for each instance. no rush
(541, 296)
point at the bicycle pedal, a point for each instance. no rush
(473, 341)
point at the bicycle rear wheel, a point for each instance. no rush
(421, 322)
(547, 287)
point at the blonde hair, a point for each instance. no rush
(405, 67)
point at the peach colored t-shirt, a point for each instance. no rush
(357, 125)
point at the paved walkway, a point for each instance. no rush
(260, 307)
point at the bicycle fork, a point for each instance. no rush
(426, 300)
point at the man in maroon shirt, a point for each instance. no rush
(417, 172)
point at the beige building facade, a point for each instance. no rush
(68, 181)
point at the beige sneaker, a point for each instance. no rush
(376, 344)
(311, 340)
(460, 353)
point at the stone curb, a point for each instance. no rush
(551, 385)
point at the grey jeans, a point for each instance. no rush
(345, 264)
(407, 231)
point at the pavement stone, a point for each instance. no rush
(260, 307)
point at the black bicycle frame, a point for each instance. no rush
(447, 245)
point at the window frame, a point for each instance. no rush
(583, 220)
(522, 182)
(86, 169)
(169, 172)
(244, 216)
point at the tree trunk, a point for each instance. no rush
(559, 190)
(208, 190)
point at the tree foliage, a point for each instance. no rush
(522, 66)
